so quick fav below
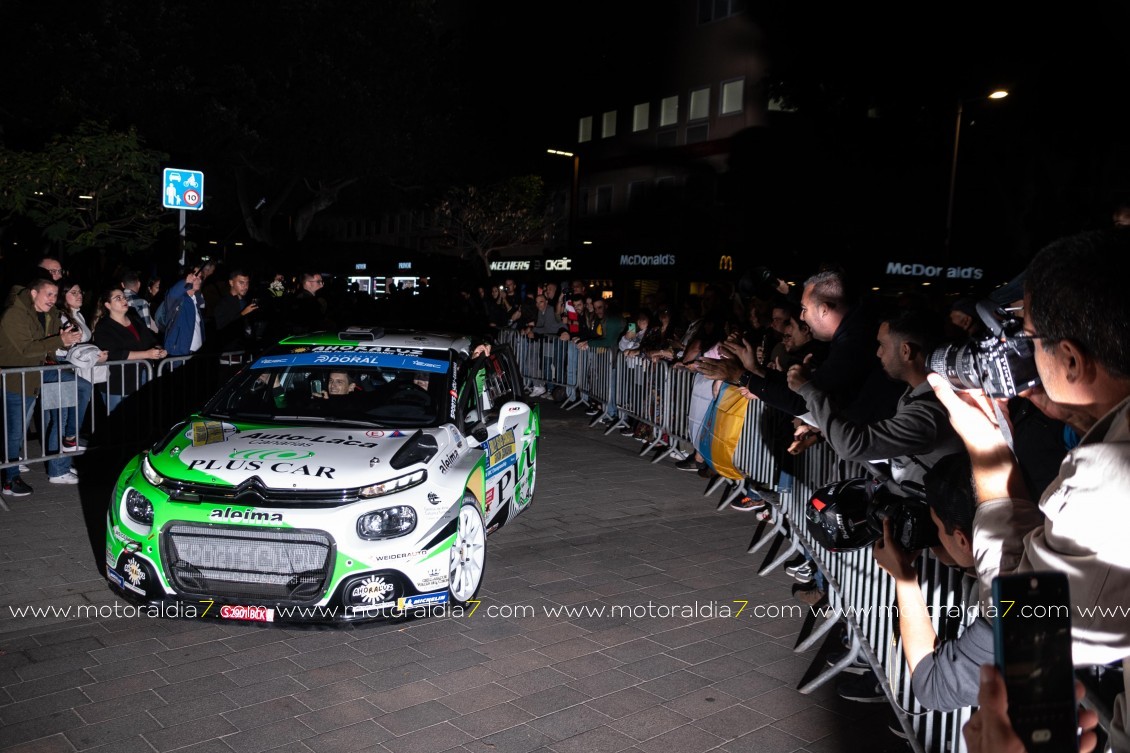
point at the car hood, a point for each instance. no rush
(288, 457)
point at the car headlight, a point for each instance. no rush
(393, 484)
(386, 523)
(138, 507)
(149, 473)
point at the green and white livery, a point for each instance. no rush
(339, 477)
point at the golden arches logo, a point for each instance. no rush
(726, 262)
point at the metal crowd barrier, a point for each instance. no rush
(128, 403)
(860, 594)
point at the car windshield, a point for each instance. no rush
(385, 387)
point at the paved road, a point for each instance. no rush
(606, 530)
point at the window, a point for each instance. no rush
(668, 111)
(637, 193)
(584, 130)
(698, 133)
(641, 115)
(604, 200)
(583, 202)
(732, 97)
(608, 125)
(716, 10)
(667, 139)
(700, 104)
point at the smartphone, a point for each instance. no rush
(1032, 643)
(631, 326)
(315, 386)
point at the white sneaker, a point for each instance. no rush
(24, 468)
(677, 455)
(66, 478)
(537, 391)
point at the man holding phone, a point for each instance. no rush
(1077, 312)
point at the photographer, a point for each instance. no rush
(943, 674)
(1078, 313)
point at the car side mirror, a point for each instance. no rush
(480, 434)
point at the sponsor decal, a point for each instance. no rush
(372, 590)
(564, 264)
(436, 581)
(505, 484)
(110, 560)
(642, 260)
(127, 542)
(250, 613)
(374, 462)
(400, 556)
(396, 433)
(387, 349)
(134, 571)
(348, 356)
(209, 432)
(323, 471)
(375, 434)
(259, 436)
(448, 461)
(270, 455)
(422, 600)
(507, 462)
(433, 498)
(122, 583)
(252, 515)
(514, 409)
(930, 270)
(500, 447)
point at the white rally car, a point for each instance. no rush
(340, 476)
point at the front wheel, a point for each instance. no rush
(468, 553)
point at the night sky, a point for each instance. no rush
(416, 96)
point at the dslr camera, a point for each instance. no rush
(911, 524)
(1002, 363)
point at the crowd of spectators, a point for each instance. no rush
(829, 363)
(852, 370)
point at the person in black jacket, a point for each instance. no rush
(851, 373)
(120, 332)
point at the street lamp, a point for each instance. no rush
(573, 194)
(998, 94)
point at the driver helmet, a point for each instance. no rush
(836, 515)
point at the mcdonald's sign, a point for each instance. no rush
(726, 263)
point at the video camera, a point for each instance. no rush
(1002, 363)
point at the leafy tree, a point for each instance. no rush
(484, 220)
(93, 188)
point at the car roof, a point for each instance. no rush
(389, 338)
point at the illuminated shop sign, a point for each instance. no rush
(934, 270)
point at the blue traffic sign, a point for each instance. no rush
(182, 189)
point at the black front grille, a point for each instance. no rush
(252, 492)
(230, 562)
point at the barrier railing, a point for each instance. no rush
(123, 405)
(859, 593)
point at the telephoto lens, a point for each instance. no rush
(958, 364)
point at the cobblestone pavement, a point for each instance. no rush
(544, 664)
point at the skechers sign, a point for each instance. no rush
(564, 264)
(927, 270)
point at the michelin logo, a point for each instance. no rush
(422, 600)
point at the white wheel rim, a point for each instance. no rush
(467, 554)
